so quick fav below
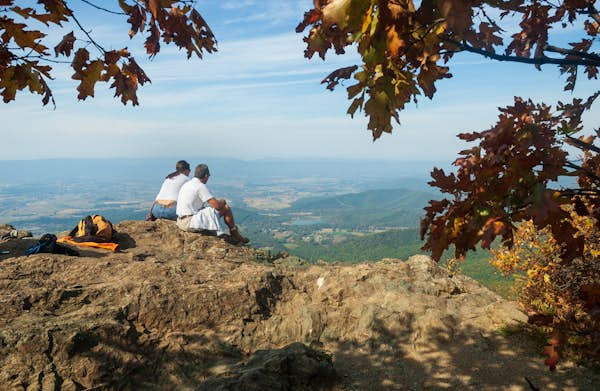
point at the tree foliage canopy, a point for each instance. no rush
(407, 46)
(25, 54)
(510, 176)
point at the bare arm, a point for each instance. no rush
(217, 204)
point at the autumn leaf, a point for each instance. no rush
(152, 43)
(492, 228)
(66, 45)
(339, 74)
(134, 69)
(56, 15)
(336, 12)
(126, 88)
(310, 17)
(46, 92)
(552, 357)
(441, 180)
(356, 105)
(22, 37)
(394, 42)
(429, 74)
(378, 108)
(317, 43)
(89, 76)
(137, 18)
(542, 206)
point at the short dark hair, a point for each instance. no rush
(201, 171)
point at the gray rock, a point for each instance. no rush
(294, 367)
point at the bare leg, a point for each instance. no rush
(227, 214)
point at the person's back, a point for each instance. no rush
(188, 201)
(165, 203)
(169, 191)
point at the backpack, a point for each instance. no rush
(93, 228)
(47, 244)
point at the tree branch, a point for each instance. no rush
(583, 192)
(585, 172)
(490, 20)
(100, 48)
(593, 12)
(42, 58)
(103, 9)
(593, 61)
(582, 144)
(555, 49)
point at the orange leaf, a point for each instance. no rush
(310, 17)
(394, 42)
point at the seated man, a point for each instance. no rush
(198, 210)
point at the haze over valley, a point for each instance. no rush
(330, 210)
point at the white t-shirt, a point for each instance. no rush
(192, 196)
(171, 186)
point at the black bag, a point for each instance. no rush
(47, 244)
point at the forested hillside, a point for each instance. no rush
(372, 208)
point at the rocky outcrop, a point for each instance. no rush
(294, 367)
(176, 310)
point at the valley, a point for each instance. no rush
(344, 218)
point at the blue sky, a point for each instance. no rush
(257, 97)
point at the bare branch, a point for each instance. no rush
(490, 20)
(536, 61)
(591, 56)
(103, 9)
(583, 171)
(582, 144)
(100, 48)
(42, 58)
(593, 12)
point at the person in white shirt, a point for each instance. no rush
(165, 204)
(199, 210)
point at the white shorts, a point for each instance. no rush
(206, 219)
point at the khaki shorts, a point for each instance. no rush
(184, 222)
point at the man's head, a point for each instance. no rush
(202, 172)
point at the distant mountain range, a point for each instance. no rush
(152, 170)
(347, 210)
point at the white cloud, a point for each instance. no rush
(234, 5)
(273, 12)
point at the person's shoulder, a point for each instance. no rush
(182, 178)
(203, 187)
(188, 182)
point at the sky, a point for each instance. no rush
(256, 98)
